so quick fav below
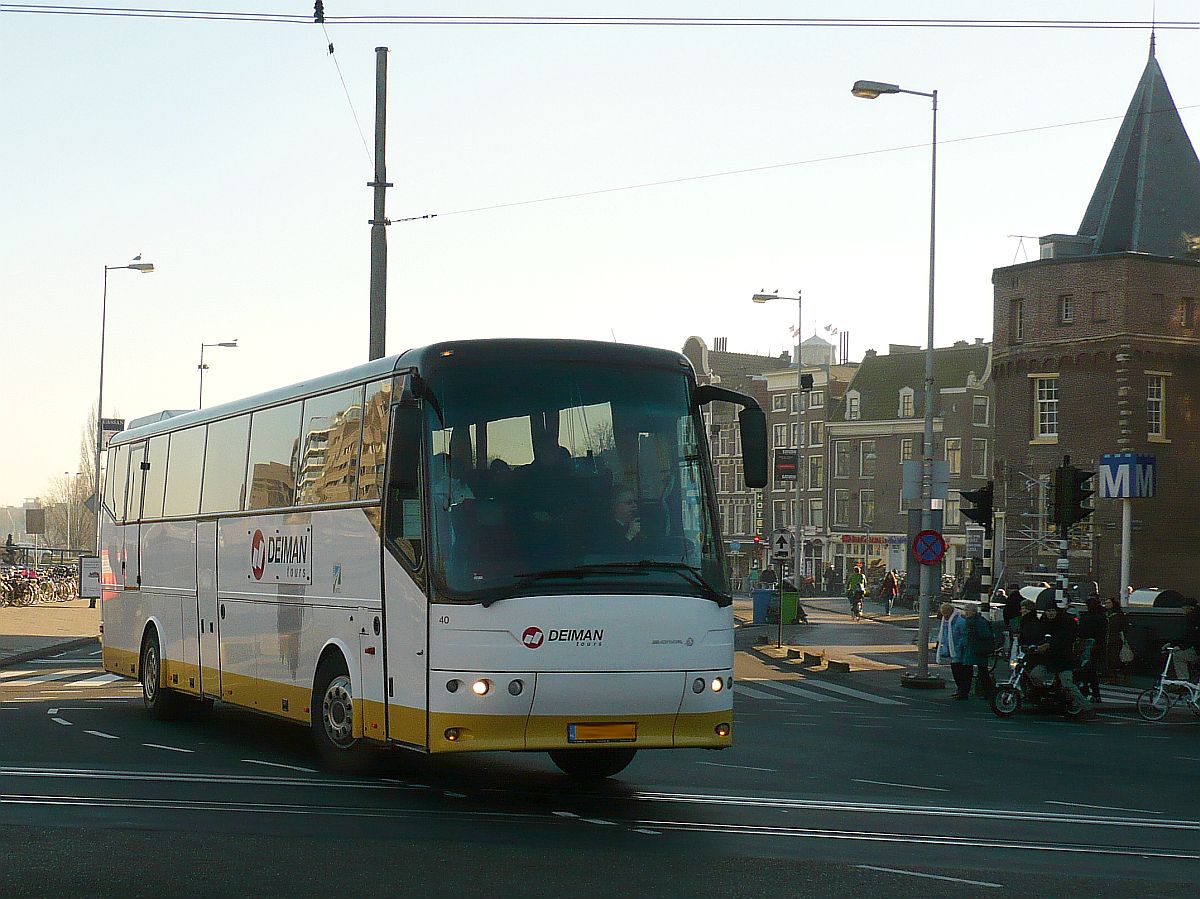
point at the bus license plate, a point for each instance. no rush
(601, 733)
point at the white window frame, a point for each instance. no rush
(837, 444)
(853, 405)
(976, 405)
(1045, 406)
(838, 497)
(863, 497)
(1156, 405)
(796, 434)
(862, 458)
(819, 462)
(979, 457)
(816, 399)
(779, 436)
(952, 512)
(906, 449)
(779, 512)
(1066, 309)
(779, 402)
(795, 403)
(955, 464)
(816, 506)
(908, 403)
(816, 433)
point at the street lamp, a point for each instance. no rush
(797, 541)
(232, 344)
(870, 90)
(137, 266)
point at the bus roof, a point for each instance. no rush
(452, 352)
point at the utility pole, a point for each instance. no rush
(378, 323)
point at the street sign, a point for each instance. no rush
(110, 428)
(785, 464)
(928, 547)
(1127, 476)
(910, 483)
(735, 546)
(781, 545)
(35, 522)
(975, 543)
(89, 577)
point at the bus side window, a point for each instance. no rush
(403, 512)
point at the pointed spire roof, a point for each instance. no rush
(1148, 195)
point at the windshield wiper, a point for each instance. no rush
(689, 573)
(579, 571)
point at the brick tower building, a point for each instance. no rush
(1097, 350)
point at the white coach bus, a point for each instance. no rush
(481, 545)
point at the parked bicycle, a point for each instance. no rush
(1154, 703)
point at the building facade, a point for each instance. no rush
(879, 424)
(1097, 350)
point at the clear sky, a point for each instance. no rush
(227, 154)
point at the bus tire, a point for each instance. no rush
(333, 720)
(592, 764)
(162, 703)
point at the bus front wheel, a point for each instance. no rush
(162, 703)
(592, 764)
(333, 720)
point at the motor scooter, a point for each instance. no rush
(1022, 688)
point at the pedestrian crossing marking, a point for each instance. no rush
(858, 694)
(759, 694)
(102, 679)
(37, 679)
(796, 691)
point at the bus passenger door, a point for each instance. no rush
(406, 609)
(206, 609)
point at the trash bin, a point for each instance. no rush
(762, 599)
(790, 601)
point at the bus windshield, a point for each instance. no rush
(569, 478)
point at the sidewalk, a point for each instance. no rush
(32, 632)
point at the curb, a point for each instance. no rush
(42, 652)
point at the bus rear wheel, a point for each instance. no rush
(592, 764)
(333, 720)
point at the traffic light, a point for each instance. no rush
(981, 499)
(757, 539)
(1078, 490)
(1069, 491)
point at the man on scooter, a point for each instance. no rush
(1056, 656)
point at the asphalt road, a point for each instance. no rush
(837, 785)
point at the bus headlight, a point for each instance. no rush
(481, 687)
(722, 730)
(718, 684)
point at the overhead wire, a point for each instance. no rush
(769, 167)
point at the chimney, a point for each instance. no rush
(869, 354)
(720, 344)
(959, 344)
(978, 341)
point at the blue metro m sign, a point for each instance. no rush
(1127, 476)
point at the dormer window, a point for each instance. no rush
(906, 403)
(852, 405)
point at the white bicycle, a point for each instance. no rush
(1154, 703)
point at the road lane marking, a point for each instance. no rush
(974, 883)
(849, 691)
(63, 721)
(653, 833)
(96, 653)
(789, 688)
(884, 783)
(96, 681)
(280, 765)
(1105, 808)
(100, 733)
(171, 748)
(565, 814)
(52, 711)
(1023, 740)
(741, 767)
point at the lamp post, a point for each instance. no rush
(232, 344)
(870, 90)
(137, 266)
(797, 541)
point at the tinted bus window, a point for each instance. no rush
(330, 430)
(183, 472)
(114, 487)
(225, 465)
(156, 477)
(274, 451)
(374, 440)
(133, 506)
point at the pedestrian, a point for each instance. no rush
(979, 648)
(952, 649)
(856, 590)
(10, 555)
(1093, 627)
(1117, 652)
(888, 591)
(766, 580)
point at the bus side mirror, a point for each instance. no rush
(753, 425)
